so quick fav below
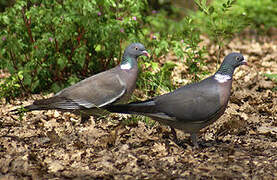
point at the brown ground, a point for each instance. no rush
(242, 144)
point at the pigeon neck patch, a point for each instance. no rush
(126, 65)
(222, 78)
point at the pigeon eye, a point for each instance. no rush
(237, 58)
(136, 48)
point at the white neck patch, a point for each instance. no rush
(126, 66)
(222, 78)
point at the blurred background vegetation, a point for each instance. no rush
(47, 45)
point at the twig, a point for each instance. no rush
(56, 45)
(79, 37)
(27, 24)
(13, 60)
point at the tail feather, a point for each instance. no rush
(34, 107)
(41, 104)
(31, 107)
(44, 104)
(49, 101)
(142, 107)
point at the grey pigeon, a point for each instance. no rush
(191, 107)
(108, 87)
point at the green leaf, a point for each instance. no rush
(154, 66)
(27, 79)
(62, 62)
(271, 76)
(6, 19)
(98, 48)
(211, 10)
(20, 75)
(55, 87)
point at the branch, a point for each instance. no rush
(27, 24)
(79, 38)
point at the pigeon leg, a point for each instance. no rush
(84, 118)
(193, 137)
(174, 134)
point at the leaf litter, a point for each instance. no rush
(242, 144)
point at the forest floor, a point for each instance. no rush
(242, 144)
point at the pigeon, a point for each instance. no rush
(88, 96)
(191, 107)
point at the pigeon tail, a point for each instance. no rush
(54, 102)
(34, 107)
(43, 104)
(29, 108)
(142, 107)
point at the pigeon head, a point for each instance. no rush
(230, 63)
(135, 50)
(131, 53)
(235, 60)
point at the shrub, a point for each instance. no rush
(262, 15)
(180, 37)
(55, 43)
(155, 80)
(10, 87)
(220, 20)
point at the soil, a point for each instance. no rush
(242, 144)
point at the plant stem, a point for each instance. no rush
(27, 24)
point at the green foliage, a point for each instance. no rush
(134, 119)
(5, 3)
(56, 43)
(192, 53)
(261, 14)
(11, 87)
(220, 20)
(273, 77)
(180, 37)
(156, 79)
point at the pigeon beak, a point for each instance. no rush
(244, 62)
(145, 53)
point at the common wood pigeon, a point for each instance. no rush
(191, 107)
(91, 94)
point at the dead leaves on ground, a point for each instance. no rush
(242, 144)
